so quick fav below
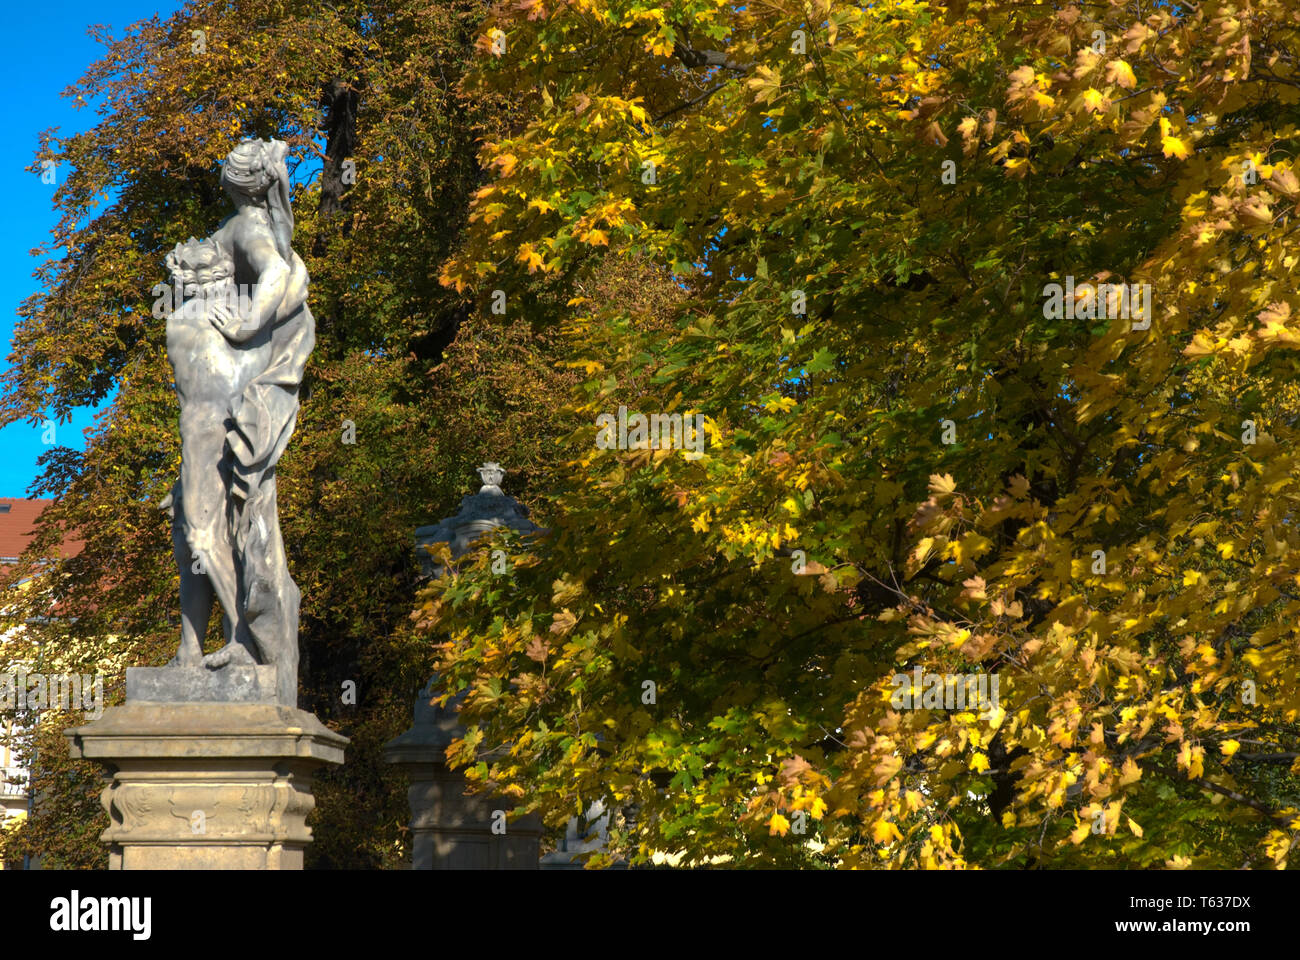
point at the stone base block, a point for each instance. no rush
(449, 829)
(230, 684)
(207, 786)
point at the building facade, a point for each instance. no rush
(17, 520)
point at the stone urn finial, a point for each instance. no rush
(479, 513)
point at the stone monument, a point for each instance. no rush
(589, 835)
(478, 514)
(450, 830)
(211, 760)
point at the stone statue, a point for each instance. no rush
(238, 342)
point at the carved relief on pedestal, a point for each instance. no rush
(207, 812)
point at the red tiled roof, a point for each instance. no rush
(16, 528)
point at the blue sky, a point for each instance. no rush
(48, 50)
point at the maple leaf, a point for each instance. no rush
(934, 134)
(1126, 445)
(885, 832)
(942, 485)
(792, 768)
(1129, 773)
(1017, 167)
(766, 84)
(1170, 145)
(563, 622)
(529, 257)
(505, 163)
(1119, 72)
(1277, 312)
(1285, 181)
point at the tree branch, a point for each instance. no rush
(691, 57)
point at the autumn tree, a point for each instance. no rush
(921, 456)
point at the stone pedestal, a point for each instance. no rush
(591, 834)
(449, 830)
(213, 785)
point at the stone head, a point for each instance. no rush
(251, 168)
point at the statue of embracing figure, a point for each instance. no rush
(238, 343)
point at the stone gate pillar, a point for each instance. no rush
(450, 830)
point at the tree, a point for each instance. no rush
(409, 387)
(920, 456)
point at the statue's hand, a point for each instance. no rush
(226, 317)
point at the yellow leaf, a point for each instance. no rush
(1130, 773)
(506, 162)
(1017, 167)
(766, 83)
(1173, 147)
(1170, 145)
(1201, 346)
(778, 825)
(1119, 72)
(530, 257)
(885, 832)
(942, 486)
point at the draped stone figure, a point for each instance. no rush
(238, 343)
